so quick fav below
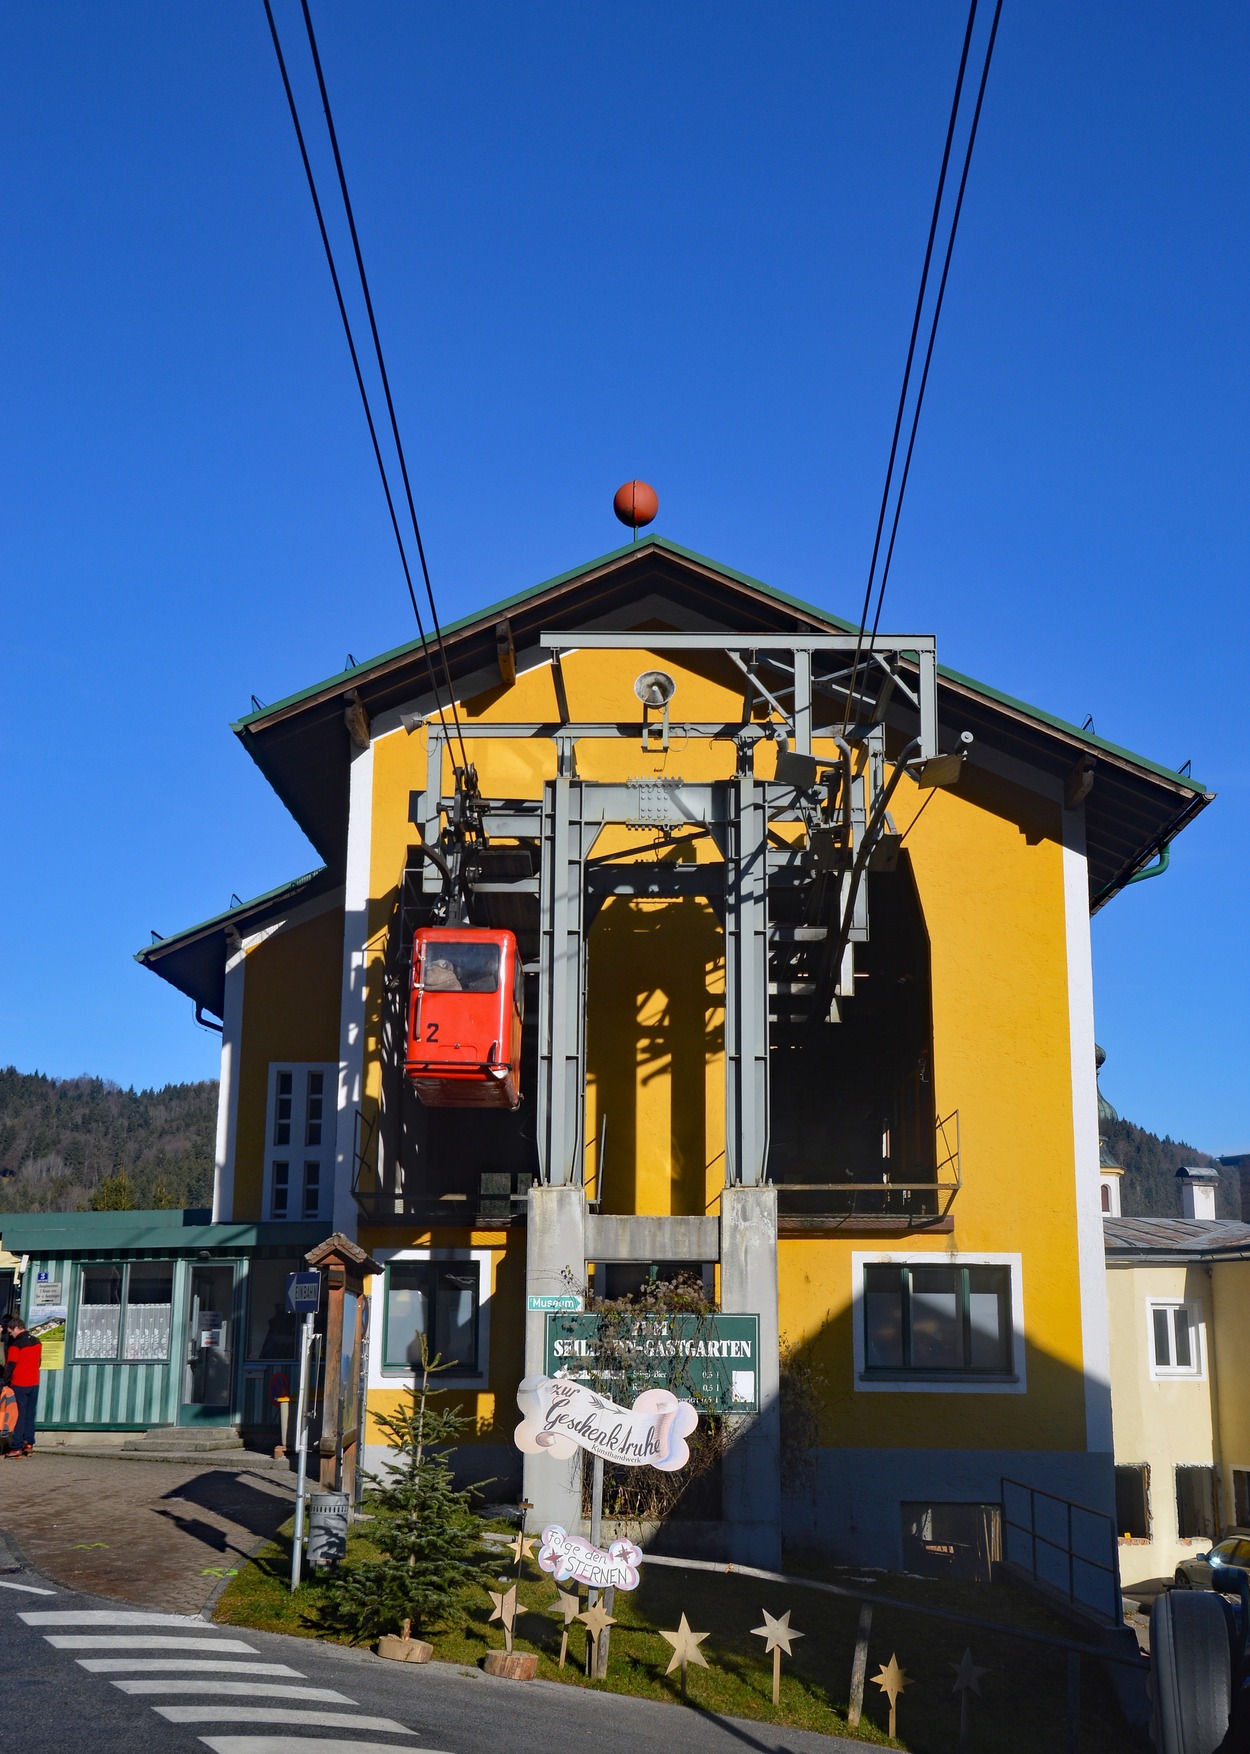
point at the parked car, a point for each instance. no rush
(1231, 1554)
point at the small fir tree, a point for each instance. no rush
(428, 1534)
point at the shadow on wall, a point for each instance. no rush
(658, 971)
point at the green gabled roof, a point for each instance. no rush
(194, 959)
(498, 611)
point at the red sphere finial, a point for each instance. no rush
(636, 504)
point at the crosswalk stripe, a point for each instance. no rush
(28, 1589)
(104, 1617)
(266, 1714)
(304, 1745)
(236, 1690)
(118, 1641)
(179, 1665)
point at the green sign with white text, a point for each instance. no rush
(710, 1360)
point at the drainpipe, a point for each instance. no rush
(1160, 865)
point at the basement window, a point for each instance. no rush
(1132, 1502)
(1195, 1503)
(1241, 1497)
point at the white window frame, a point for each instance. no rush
(919, 1384)
(296, 1153)
(1195, 1372)
(380, 1377)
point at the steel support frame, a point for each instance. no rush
(574, 812)
(746, 984)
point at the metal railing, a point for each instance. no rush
(1050, 1539)
(900, 1202)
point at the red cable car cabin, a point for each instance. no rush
(464, 1018)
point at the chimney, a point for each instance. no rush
(1198, 1192)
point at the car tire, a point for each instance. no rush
(1182, 1581)
(1191, 1672)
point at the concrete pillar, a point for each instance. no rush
(748, 1286)
(555, 1264)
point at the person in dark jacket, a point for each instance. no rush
(23, 1358)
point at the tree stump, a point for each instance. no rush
(405, 1650)
(511, 1665)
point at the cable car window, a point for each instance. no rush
(452, 967)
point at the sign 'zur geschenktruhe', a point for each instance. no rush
(561, 1416)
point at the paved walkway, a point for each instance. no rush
(159, 1534)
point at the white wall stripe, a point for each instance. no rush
(1095, 1327)
(228, 1090)
(352, 1012)
(293, 1745)
(146, 1641)
(104, 1617)
(266, 1714)
(180, 1665)
(236, 1689)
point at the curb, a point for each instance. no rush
(11, 1556)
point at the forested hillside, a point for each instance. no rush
(69, 1144)
(1149, 1188)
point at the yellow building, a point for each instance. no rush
(1178, 1295)
(808, 1010)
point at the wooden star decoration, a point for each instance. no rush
(521, 1547)
(504, 1610)
(967, 1675)
(568, 1605)
(596, 1620)
(776, 1632)
(685, 1645)
(778, 1635)
(892, 1681)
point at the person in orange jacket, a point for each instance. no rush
(23, 1360)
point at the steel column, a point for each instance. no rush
(746, 984)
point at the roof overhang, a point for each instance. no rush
(1133, 807)
(195, 960)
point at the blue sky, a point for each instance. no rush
(674, 241)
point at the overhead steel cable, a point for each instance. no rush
(911, 354)
(386, 383)
(351, 347)
(937, 312)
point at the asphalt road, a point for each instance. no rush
(80, 1673)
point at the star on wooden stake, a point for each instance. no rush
(685, 1645)
(892, 1681)
(967, 1677)
(596, 1620)
(778, 1635)
(569, 1605)
(521, 1547)
(504, 1611)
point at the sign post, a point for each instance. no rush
(303, 1294)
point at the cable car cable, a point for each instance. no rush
(351, 346)
(911, 351)
(386, 384)
(937, 312)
